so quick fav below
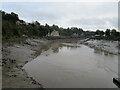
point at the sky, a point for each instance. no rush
(86, 15)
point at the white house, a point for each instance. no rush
(19, 22)
(75, 34)
(54, 33)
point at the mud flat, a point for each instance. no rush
(108, 46)
(14, 57)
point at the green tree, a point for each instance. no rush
(98, 32)
(113, 32)
(107, 32)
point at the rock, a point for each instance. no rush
(19, 66)
(8, 67)
(13, 61)
(26, 62)
(14, 75)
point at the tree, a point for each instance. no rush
(55, 27)
(37, 23)
(107, 32)
(113, 32)
(98, 32)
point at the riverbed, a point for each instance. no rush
(72, 65)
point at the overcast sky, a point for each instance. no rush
(86, 15)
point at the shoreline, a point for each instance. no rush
(15, 56)
(104, 45)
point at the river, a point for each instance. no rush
(72, 65)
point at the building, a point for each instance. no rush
(20, 22)
(53, 33)
(75, 34)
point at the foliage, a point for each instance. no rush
(108, 35)
(12, 27)
(98, 32)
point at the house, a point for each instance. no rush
(20, 22)
(75, 34)
(53, 33)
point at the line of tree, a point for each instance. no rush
(108, 34)
(12, 26)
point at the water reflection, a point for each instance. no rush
(70, 45)
(101, 52)
(59, 46)
(67, 65)
(55, 50)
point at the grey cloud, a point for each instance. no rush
(99, 22)
(68, 14)
(88, 21)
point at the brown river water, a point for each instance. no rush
(67, 65)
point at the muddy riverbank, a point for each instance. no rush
(14, 57)
(109, 46)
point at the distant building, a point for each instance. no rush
(24, 35)
(20, 22)
(97, 35)
(53, 33)
(82, 34)
(75, 34)
(48, 34)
